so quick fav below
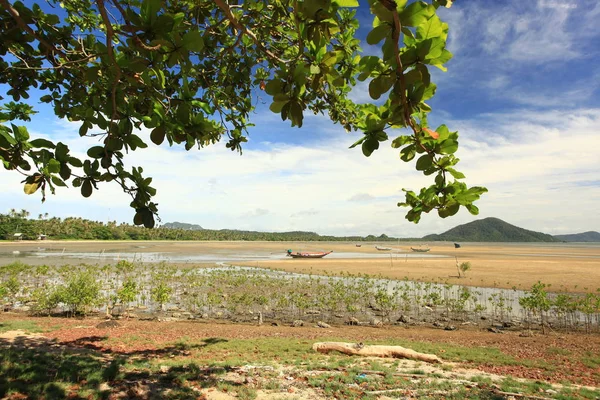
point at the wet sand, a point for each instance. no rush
(566, 266)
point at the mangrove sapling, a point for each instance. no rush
(81, 292)
(161, 292)
(463, 268)
(560, 307)
(385, 301)
(11, 288)
(588, 306)
(537, 301)
(47, 298)
(127, 293)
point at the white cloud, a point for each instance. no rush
(540, 168)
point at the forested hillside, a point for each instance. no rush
(83, 229)
(590, 236)
(491, 230)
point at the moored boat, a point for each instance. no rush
(306, 254)
(383, 248)
(421, 250)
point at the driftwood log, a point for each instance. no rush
(358, 349)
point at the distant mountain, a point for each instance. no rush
(183, 225)
(590, 236)
(491, 230)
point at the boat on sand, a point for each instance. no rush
(383, 248)
(306, 254)
(421, 250)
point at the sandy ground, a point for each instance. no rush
(569, 267)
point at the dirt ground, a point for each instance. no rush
(561, 352)
(567, 267)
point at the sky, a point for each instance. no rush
(523, 90)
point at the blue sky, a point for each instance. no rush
(523, 90)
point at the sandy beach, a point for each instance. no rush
(566, 266)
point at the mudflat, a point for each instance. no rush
(566, 266)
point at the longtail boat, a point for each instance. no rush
(306, 254)
(383, 248)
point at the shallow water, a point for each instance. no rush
(216, 257)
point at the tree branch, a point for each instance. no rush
(17, 17)
(111, 54)
(227, 11)
(399, 68)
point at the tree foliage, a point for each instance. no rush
(79, 228)
(186, 71)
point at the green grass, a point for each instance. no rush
(24, 325)
(557, 351)
(591, 360)
(60, 374)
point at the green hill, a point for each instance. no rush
(182, 225)
(590, 236)
(490, 230)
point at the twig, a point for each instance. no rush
(227, 10)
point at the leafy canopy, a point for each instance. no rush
(186, 70)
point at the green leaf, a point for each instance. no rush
(42, 143)
(149, 9)
(65, 171)
(416, 13)
(472, 209)
(448, 210)
(379, 33)
(20, 133)
(346, 3)
(86, 188)
(381, 85)
(359, 141)
(314, 70)
(455, 173)
(58, 182)
(401, 141)
(424, 162)
(408, 153)
(76, 162)
(61, 152)
(157, 136)
(96, 152)
(193, 41)
(53, 166)
(296, 115)
(138, 218)
(369, 146)
(277, 106)
(6, 140)
(433, 27)
(448, 146)
(148, 219)
(135, 141)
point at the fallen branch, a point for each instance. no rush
(520, 395)
(375, 351)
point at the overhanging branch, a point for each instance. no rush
(227, 11)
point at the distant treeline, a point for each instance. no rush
(82, 229)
